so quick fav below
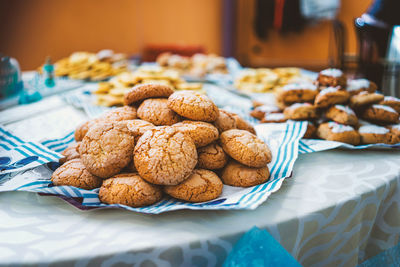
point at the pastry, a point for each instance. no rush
(202, 185)
(373, 134)
(129, 189)
(392, 102)
(242, 124)
(300, 111)
(356, 86)
(211, 157)
(395, 129)
(82, 129)
(74, 173)
(274, 118)
(260, 111)
(331, 96)
(236, 174)
(380, 114)
(332, 77)
(297, 93)
(165, 156)
(311, 131)
(107, 148)
(69, 153)
(156, 111)
(120, 114)
(342, 114)
(139, 127)
(334, 131)
(245, 147)
(193, 105)
(225, 121)
(148, 90)
(364, 98)
(202, 133)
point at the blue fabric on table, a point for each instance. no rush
(258, 248)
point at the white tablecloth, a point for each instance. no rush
(339, 208)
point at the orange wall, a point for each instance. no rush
(31, 30)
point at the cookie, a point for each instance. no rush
(357, 86)
(202, 185)
(392, 102)
(156, 111)
(120, 114)
(364, 98)
(274, 118)
(202, 133)
(332, 77)
(331, 96)
(211, 157)
(69, 153)
(260, 111)
(139, 127)
(74, 173)
(107, 148)
(373, 134)
(225, 121)
(245, 147)
(380, 114)
(147, 90)
(129, 189)
(165, 156)
(297, 93)
(82, 129)
(242, 124)
(311, 131)
(342, 114)
(334, 131)
(236, 174)
(300, 111)
(193, 105)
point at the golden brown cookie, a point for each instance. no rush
(334, 131)
(165, 156)
(193, 105)
(120, 114)
(300, 111)
(380, 114)
(107, 148)
(373, 134)
(156, 111)
(202, 133)
(225, 121)
(392, 102)
(297, 93)
(274, 118)
(342, 114)
(332, 77)
(311, 130)
(260, 111)
(364, 98)
(139, 127)
(211, 157)
(242, 124)
(202, 185)
(129, 189)
(331, 96)
(147, 90)
(236, 174)
(69, 153)
(74, 173)
(356, 86)
(82, 129)
(245, 147)
(395, 129)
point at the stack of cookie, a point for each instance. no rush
(334, 107)
(161, 141)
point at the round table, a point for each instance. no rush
(339, 208)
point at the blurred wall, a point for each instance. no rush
(31, 30)
(312, 48)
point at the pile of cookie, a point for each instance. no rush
(264, 79)
(91, 66)
(111, 93)
(337, 109)
(197, 65)
(178, 143)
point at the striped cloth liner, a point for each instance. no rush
(283, 140)
(17, 154)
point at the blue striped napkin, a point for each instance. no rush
(283, 140)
